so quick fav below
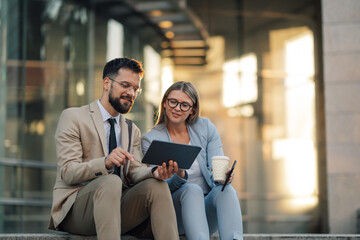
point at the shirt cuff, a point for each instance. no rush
(153, 170)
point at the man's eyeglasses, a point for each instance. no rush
(127, 86)
(184, 106)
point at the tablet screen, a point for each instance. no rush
(160, 151)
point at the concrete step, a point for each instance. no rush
(60, 236)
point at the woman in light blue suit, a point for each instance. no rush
(201, 207)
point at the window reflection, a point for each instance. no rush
(43, 72)
(166, 77)
(115, 40)
(300, 158)
(257, 87)
(240, 81)
(291, 129)
(152, 67)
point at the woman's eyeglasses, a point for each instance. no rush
(184, 106)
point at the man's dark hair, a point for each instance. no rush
(112, 67)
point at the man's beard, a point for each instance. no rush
(116, 104)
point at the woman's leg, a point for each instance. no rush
(223, 213)
(190, 212)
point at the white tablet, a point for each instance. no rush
(160, 151)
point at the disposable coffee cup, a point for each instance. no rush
(220, 165)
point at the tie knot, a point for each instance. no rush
(112, 121)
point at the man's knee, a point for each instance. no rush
(156, 188)
(109, 186)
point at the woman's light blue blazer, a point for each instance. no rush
(202, 133)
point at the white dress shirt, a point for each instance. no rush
(195, 176)
(105, 116)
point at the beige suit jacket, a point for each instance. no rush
(81, 147)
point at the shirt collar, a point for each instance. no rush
(106, 115)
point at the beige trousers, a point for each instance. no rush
(102, 209)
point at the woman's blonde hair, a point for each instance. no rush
(191, 91)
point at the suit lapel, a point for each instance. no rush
(124, 133)
(125, 145)
(99, 124)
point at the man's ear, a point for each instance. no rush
(106, 83)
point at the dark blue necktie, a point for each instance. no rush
(112, 142)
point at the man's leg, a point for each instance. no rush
(96, 209)
(152, 198)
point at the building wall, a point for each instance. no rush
(341, 55)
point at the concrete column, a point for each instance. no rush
(3, 54)
(341, 58)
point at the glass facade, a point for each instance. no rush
(48, 62)
(44, 69)
(258, 88)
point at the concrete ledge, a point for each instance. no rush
(60, 236)
(301, 236)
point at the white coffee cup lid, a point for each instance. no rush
(221, 157)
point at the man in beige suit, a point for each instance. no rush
(102, 188)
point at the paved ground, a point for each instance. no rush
(246, 237)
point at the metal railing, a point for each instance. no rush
(30, 202)
(26, 202)
(10, 162)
